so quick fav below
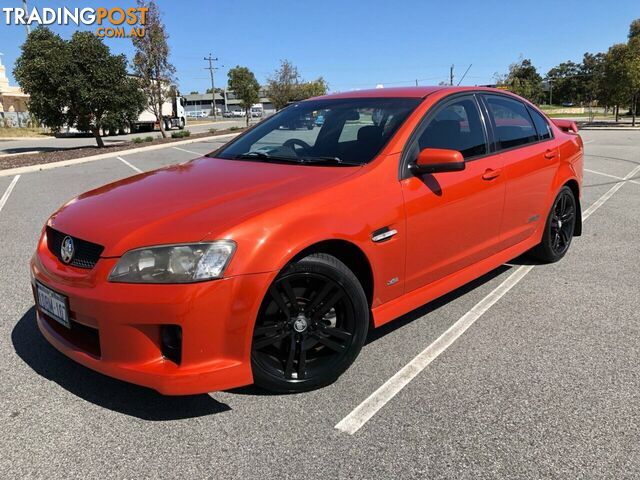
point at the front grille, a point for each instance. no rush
(86, 254)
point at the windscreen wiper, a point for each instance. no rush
(266, 156)
(337, 160)
(307, 160)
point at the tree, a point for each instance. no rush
(565, 81)
(286, 85)
(633, 47)
(76, 82)
(245, 86)
(621, 77)
(314, 88)
(194, 92)
(42, 70)
(282, 84)
(634, 28)
(151, 62)
(523, 79)
(591, 71)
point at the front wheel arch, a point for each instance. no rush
(349, 254)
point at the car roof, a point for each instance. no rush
(403, 92)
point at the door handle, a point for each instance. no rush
(490, 173)
(549, 154)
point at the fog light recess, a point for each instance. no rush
(171, 342)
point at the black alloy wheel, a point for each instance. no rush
(311, 326)
(559, 229)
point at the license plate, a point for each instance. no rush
(53, 304)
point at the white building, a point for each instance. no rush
(13, 102)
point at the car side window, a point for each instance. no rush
(456, 126)
(512, 122)
(542, 126)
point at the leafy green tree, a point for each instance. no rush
(523, 79)
(591, 71)
(286, 85)
(282, 84)
(621, 79)
(633, 47)
(76, 82)
(151, 62)
(566, 83)
(634, 29)
(245, 86)
(42, 71)
(314, 88)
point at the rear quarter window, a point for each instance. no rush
(512, 122)
(542, 126)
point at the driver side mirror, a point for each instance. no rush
(435, 160)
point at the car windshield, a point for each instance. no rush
(328, 131)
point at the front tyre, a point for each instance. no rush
(559, 228)
(311, 326)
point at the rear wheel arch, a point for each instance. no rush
(575, 188)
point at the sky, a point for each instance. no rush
(357, 44)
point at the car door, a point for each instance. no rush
(530, 157)
(452, 218)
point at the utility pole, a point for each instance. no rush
(26, 9)
(451, 75)
(416, 82)
(212, 70)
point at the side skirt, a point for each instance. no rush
(416, 298)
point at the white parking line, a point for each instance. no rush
(189, 151)
(8, 191)
(595, 172)
(598, 203)
(129, 165)
(378, 399)
(588, 141)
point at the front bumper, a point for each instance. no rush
(116, 327)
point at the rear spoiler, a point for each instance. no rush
(567, 126)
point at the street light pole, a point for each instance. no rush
(211, 69)
(26, 10)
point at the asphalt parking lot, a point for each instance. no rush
(544, 384)
(11, 146)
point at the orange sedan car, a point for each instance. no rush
(268, 260)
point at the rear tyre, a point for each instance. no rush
(311, 326)
(559, 229)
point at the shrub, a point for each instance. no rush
(234, 128)
(137, 140)
(180, 134)
(213, 130)
(148, 139)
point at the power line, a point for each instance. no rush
(464, 75)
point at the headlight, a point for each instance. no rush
(174, 263)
